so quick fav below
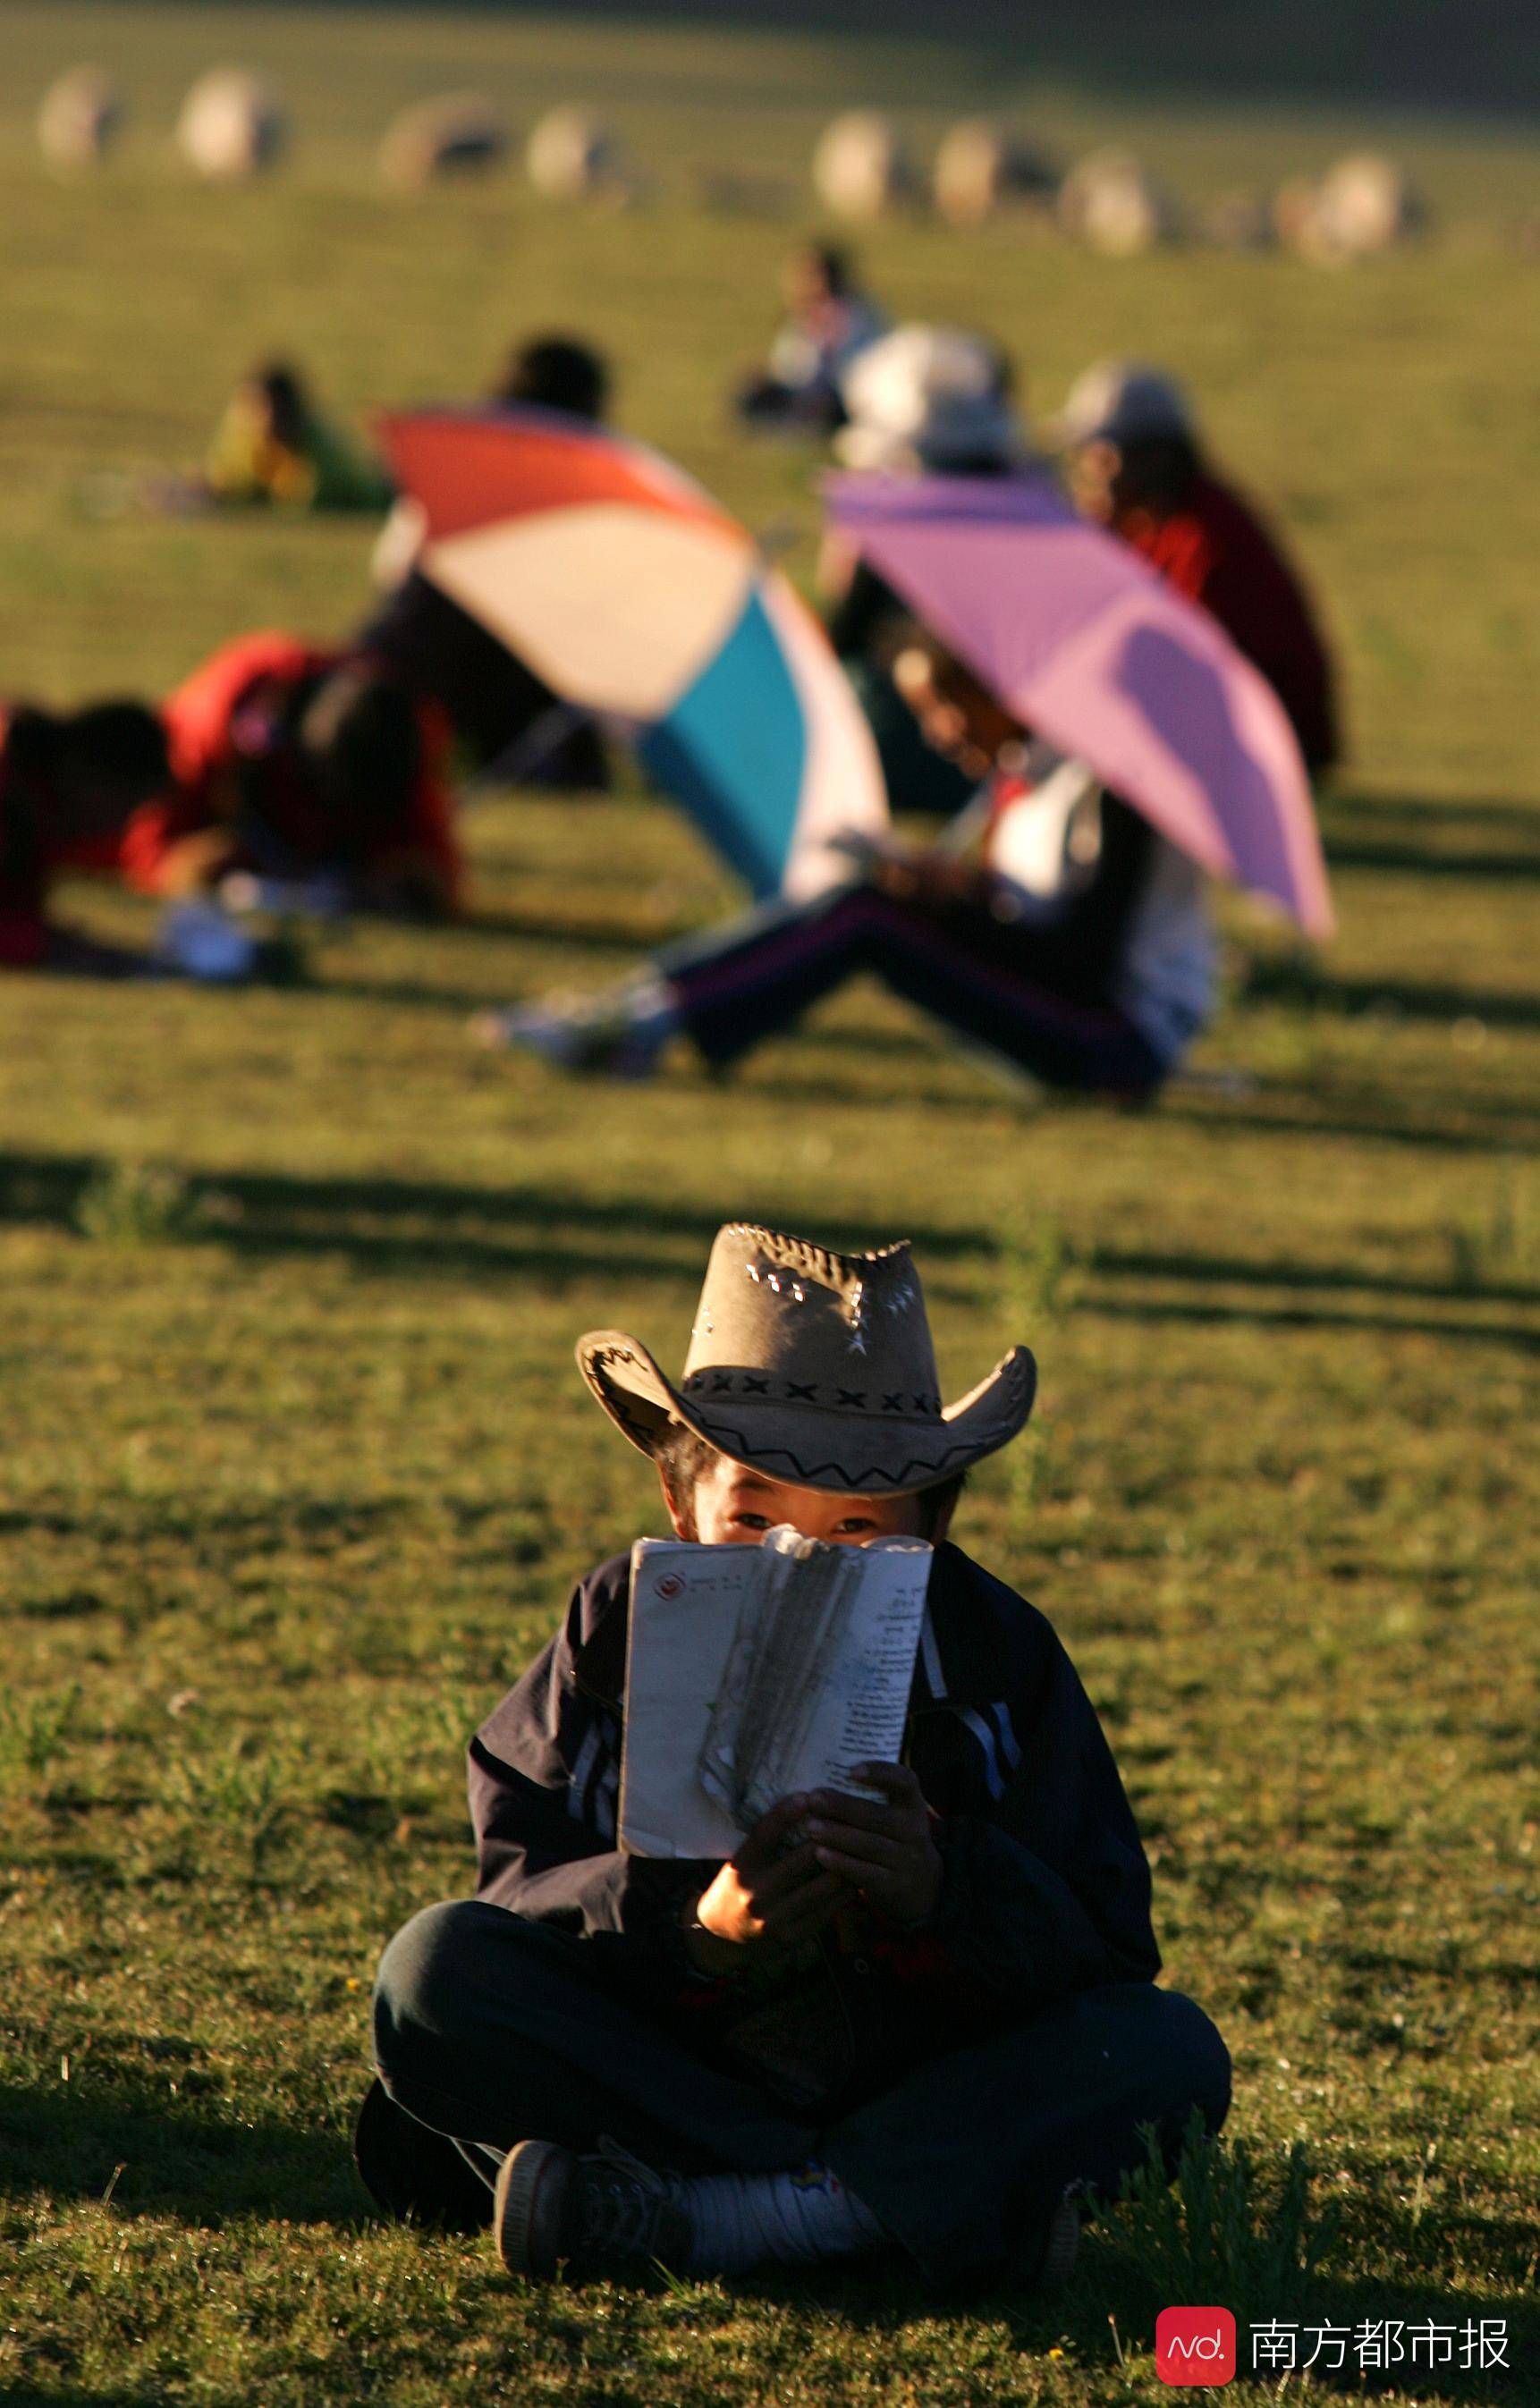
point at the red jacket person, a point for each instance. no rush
(1135, 464)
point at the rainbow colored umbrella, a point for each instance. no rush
(625, 587)
(1085, 643)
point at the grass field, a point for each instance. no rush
(295, 1469)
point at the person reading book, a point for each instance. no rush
(921, 2017)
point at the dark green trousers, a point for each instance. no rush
(491, 2031)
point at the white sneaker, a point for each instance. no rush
(602, 1039)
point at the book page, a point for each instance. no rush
(754, 1672)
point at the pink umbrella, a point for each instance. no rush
(1082, 639)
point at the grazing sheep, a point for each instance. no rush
(1361, 207)
(1110, 204)
(1367, 206)
(232, 125)
(80, 119)
(860, 167)
(457, 136)
(982, 168)
(572, 157)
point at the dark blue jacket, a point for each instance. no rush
(1045, 1888)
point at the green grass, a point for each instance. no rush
(295, 1466)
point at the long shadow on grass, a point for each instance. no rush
(1417, 861)
(422, 1225)
(1494, 1134)
(1427, 810)
(1303, 984)
(176, 2159)
(1229, 1270)
(1303, 1316)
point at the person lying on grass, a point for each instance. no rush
(69, 782)
(928, 2024)
(307, 766)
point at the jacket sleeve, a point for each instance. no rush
(1048, 1892)
(544, 1775)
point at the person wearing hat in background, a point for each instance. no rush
(923, 401)
(1073, 945)
(830, 323)
(1135, 463)
(929, 2022)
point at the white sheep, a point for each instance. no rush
(572, 157)
(1361, 207)
(1365, 205)
(1108, 202)
(232, 125)
(982, 168)
(80, 119)
(860, 167)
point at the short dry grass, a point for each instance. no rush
(296, 1468)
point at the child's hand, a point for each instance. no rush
(885, 1852)
(770, 1893)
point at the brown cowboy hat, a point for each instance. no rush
(813, 1368)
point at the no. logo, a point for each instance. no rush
(670, 1585)
(1195, 2346)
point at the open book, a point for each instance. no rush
(754, 1672)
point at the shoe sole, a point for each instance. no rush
(526, 2212)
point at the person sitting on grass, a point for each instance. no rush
(1074, 947)
(928, 2024)
(274, 445)
(830, 321)
(69, 781)
(1135, 464)
(307, 766)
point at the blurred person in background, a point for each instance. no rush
(1074, 945)
(69, 781)
(302, 767)
(506, 723)
(923, 401)
(829, 322)
(274, 445)
(1135, 463)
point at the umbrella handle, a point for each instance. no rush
(534, 744)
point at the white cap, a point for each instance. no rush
(929, 398)
(1118, 402)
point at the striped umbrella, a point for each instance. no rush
(632, 594)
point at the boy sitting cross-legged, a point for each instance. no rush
(928, 2022)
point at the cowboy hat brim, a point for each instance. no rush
(852, 1452)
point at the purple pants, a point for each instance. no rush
(992, 980)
